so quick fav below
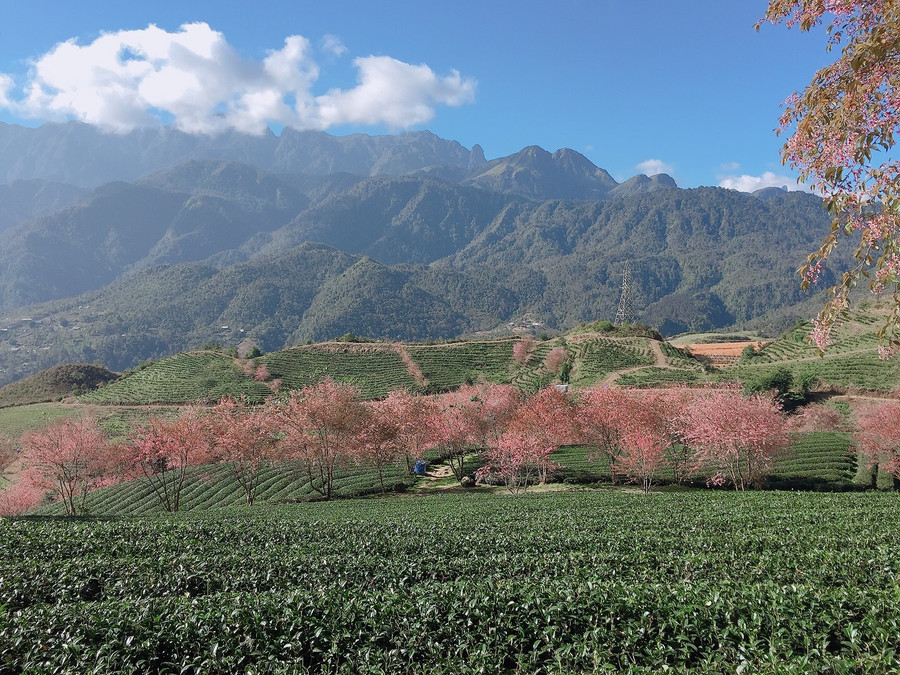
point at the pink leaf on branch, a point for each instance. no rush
(842, 134)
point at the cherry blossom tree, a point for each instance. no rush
(455, 429)
(818, 417)
(735, 436)
(548, 417)
(517, 459)
(633, 430)
(535, 428)
(380, 442)
(471, 418)
(598, 420)
(164, 450)
(20, 497)
(877, 438)
(523, 350)
(842, 130)
(555, 359)
(643, 454)
(322, 424)
(244, 437)
(68, 458)
(413, 415)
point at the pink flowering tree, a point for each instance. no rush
(539, 425)
(244, 438)
(20, 497)
(599, 424)
(555, 359)
(523, 349)
(472, 418)
(646, 435)
(877, 438)
(322, 425)
(818, 417)
(455, 429)
(517, 460)
(68, 458)
(632, 430)
(735, 437)
(413, 415)
(842, 129)
(164, 451)
(642, 456)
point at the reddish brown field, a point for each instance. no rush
(721, 353)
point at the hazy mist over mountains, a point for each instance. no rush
(119, 248)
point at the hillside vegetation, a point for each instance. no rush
(563, 582)
(234, 252)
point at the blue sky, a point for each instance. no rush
(689, 88)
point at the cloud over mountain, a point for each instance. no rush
(194, 79)
(748, 183)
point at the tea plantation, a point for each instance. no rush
(568, 582)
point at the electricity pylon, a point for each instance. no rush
(625, 313)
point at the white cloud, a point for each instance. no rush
(393, 92)
(197, 79)
(651, 167)
(730, 166)
(747, 183)
(332, 44)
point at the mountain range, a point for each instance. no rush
(117, 249)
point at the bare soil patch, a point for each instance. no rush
(721, 353)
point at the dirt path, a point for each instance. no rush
(659, 361)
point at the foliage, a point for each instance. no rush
(842, 143)
(164, 450)
(574, 582)
(68, 458)
(323, 424)
(734, 438)
(878, 437)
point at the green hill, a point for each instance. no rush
(55, 383)
(852, 360)
(376, 368)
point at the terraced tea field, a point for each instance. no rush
(374, 370)
(547, 583)
(816, 460)
(213, 487)
(189, 377)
